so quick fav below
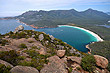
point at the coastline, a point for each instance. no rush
(33, 26)
(27, 24)
(92, 33)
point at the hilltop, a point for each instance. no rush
(29, 51)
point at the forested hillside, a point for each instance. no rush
(57, 17)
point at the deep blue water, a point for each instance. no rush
(73, 36)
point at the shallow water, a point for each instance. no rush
(73, 36)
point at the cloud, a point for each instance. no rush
(24, 5)
(47, 2)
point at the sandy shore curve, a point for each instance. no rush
(92, 33)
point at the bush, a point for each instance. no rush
(88, 63)
(3, 42)
(52, 51)
(37, 61)
(35, 47)
(30, 41)
(18, 35)
(11, 56)
(22, 46)
(4, 69)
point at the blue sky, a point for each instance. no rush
(17, 7)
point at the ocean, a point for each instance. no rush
(75, 37)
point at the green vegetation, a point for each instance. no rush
(51, 44)
(37, 61)
(32, 56)
(78, 68)
(103, 32)
(61, 17)
(30, 41)
(70, 70)
(3, 42)
(18, 35)
(35, 47)
(101, 48)
(88, 63)
(52, 51)
(88, 19)
(4, 69)
(11, 56)
(22, 46)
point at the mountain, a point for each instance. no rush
(108, 13)
(57, 17)
(29, 51)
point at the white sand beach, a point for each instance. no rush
(92, 33)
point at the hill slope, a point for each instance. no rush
(29, 51)
(55, 17)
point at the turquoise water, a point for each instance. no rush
(73, 36)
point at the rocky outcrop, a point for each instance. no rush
(55, 65)
(42, 51)
(52, 38)
(24, 69)
(101, 61)
(74, 59)
(60, 53)
(74, 71)
(72, 50)
(101, 71)
(60, 47)
(6, 63)
(19, 28)
(41, 37)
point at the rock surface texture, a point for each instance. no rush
(6, 63)
(75, 59)
(19, 28)
(61, 53)
(23, 69)
(41, 37)
(101, 61)
(55, 65)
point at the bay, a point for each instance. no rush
(73, 36)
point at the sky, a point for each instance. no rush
(17, 7)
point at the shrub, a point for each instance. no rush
(70, 69)
(11, 32)
(52, 51)
(30, 41)
(37, 61)
(4, 69)
(22, 46)
(3, 42)
(11, 56)
(78, 68)
(18, 35)
(88, 63)
(35, 47)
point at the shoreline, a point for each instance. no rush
(88, 31)
(33, 26)
(92, 33)
(27, 24)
